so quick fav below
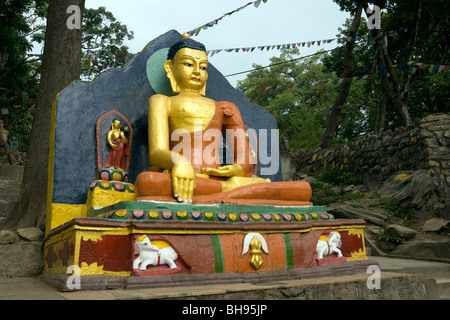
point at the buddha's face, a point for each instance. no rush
(116, 124)
(188, 71)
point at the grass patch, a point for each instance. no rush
(324, 193)
(338, 178)
(397, 213)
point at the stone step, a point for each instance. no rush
(444, 288)
(421, 268)
(11, 172)
(9, 195)
(431, 272)
(6, 206)
(438, 271)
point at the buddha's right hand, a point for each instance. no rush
(183, 182)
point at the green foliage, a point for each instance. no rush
(102, 41)
(17, 74)
(22, 23)
(102, 38)
(337, 177)
(390, 241)
(397, 213)
(300, 112)
(324, 191)
(427, 91)
(324, 194)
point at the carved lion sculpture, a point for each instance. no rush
(329, 246)
(152, 255)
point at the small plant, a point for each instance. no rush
(324, 195)
(347, 178)
(338, 177)
(324, 192)
(398, 213)
(387, 243)
(389, 239)
(355, 196)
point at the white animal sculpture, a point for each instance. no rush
(327, 247)
(152, 255)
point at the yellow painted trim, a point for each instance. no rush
(60, 213)
(93, 269)
(358, 255)
(357, 229)
(76, 252)
(121, 231)
(361, 254)
(58, 241)
(127, 231)
(86, 269)
(104, 198)
(62, 236)
(116, 273)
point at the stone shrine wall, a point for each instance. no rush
(423, 146)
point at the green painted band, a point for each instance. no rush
(219, 266)
(288, 251)
(222, 208)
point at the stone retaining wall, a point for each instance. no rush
(422, 146)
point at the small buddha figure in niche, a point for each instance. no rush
(119, 147)
(184, 134)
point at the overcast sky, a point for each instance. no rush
(273, 22)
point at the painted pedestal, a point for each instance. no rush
(206, 239)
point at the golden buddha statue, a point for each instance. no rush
(190, 170)
(118, 143)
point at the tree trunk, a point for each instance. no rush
(382, 115)
(407, 73)
(376, 123)
(333, 118)
(60, 66)
(392, 86)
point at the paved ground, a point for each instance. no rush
(36, 289)
(402, 265)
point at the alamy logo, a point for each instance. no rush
(374, 280)
(267, 149)
(74, 21)
(374, 21)
(74, 281)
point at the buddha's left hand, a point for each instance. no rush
(233, 170)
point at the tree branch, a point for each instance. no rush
(333, 118)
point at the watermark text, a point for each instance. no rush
(74, 21)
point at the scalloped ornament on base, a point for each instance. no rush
(112, 174)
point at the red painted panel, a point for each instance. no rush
(113, 252)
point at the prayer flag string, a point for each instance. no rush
(340, 40)
(415, 66)
(196, 31)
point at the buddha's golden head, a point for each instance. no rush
(116, 124)
(187, 65)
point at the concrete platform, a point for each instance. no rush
(393, 286)
(350, 287)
